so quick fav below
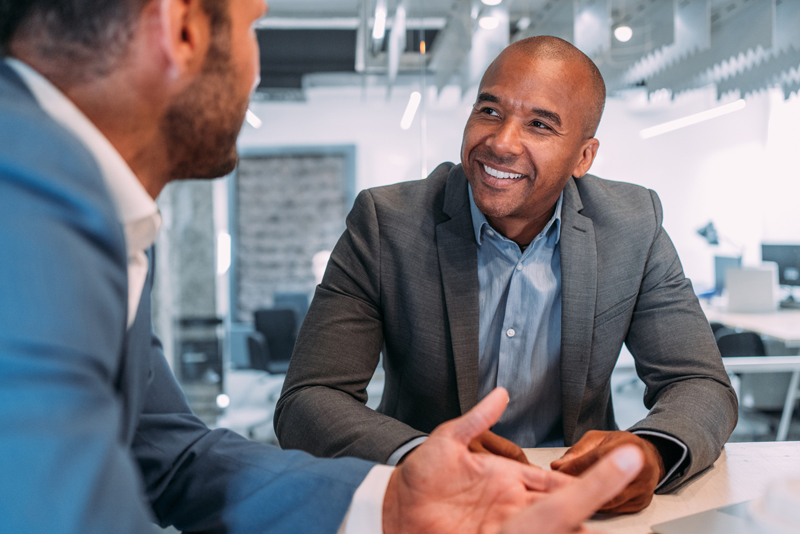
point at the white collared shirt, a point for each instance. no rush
(137, 211)
(141, 221)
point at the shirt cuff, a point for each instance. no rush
(365, 515)
(401, 451)
(679, 443)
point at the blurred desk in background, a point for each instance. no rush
(741, 473)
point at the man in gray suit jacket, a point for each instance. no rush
(513, 269)
(102, 103)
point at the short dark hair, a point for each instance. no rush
(553, 48)
(93, 33)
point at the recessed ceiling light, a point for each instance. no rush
(623, 33)
(491, 2)
(489, 23)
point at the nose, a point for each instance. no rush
(506, 140)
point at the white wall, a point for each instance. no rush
(738, 170)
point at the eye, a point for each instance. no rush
(488, 111)
(540, 125)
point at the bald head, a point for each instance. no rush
(554, 49)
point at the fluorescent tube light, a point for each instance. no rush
(492, 2)
(379, 30)
(411, 110)
(670, 126)
(253, 120)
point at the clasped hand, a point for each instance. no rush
(443, 487)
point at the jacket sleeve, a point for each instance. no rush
(322, 408)
(219, 482)
(62, 319)
(687, 389)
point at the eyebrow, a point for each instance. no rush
(552, 116)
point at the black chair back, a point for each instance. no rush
(739, 344)
(279, 330)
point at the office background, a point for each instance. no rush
(328, 121)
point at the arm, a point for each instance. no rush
(62, 321)
(692, 406)
(322, 408)
(688, 392)
(216, 481)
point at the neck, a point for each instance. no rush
(521, 231)
(126, 112)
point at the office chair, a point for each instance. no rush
(738, 344)
(270, 346)
(717, 326)
(270, 349)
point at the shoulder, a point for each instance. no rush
(414, 199)
(617, 203)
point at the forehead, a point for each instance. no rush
(519, 78)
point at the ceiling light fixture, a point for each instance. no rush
(524, 23)
(489, 23)
(379, 30)
(623, 33)
(670, 126)
(253, 120)
(411, 110)
(492, 2)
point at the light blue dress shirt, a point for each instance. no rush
(520, 329)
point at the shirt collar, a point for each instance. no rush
(479, 222)
(137, 211)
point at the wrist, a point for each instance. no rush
(652, 452)
(391, 505)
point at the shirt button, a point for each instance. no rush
(491, 233)
(519, 266)
(511, 332)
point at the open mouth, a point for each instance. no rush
(500, 175)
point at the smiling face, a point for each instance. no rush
(526, 135)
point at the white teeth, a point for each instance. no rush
(501, 175)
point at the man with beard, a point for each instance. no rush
(513, 269)
(102, 103)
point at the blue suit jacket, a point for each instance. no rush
(95, 434)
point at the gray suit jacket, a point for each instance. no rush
(403, 279)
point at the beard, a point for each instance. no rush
(202, 125)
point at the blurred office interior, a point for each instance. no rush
(703, 108)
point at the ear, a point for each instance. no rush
(588, 153)
(185, 35)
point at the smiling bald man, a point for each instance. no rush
(515, 269)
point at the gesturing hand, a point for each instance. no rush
(442, 487)
(594, 445)
(490, 443)
(565, 510)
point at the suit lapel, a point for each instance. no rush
(578, 297)
(458, 261)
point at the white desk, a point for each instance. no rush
(741, 473)
(783, 326)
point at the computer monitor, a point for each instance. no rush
(788, 259)
(721, 266)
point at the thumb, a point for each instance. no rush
(479, 419)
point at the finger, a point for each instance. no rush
(600, 484)
(578, 465)
(568, 507)
(537, 479)
(588, 442)
(502, 447)
(479, 419)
